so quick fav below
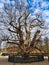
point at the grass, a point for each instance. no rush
(0, 54)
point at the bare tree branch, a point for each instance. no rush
(11, 30)
(13, 43)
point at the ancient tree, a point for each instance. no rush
(20, 24)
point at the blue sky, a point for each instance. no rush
(34, 6)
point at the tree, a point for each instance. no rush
(46, 43)
(19, 24)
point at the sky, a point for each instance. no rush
(34, 6)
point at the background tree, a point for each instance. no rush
(46, 44)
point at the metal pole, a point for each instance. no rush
(14, 64)
(14, 60)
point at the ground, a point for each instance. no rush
(4, 61)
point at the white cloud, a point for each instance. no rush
(1, 5)
(3, 1)
(45, 15)
(37, 11)
(45, 4)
